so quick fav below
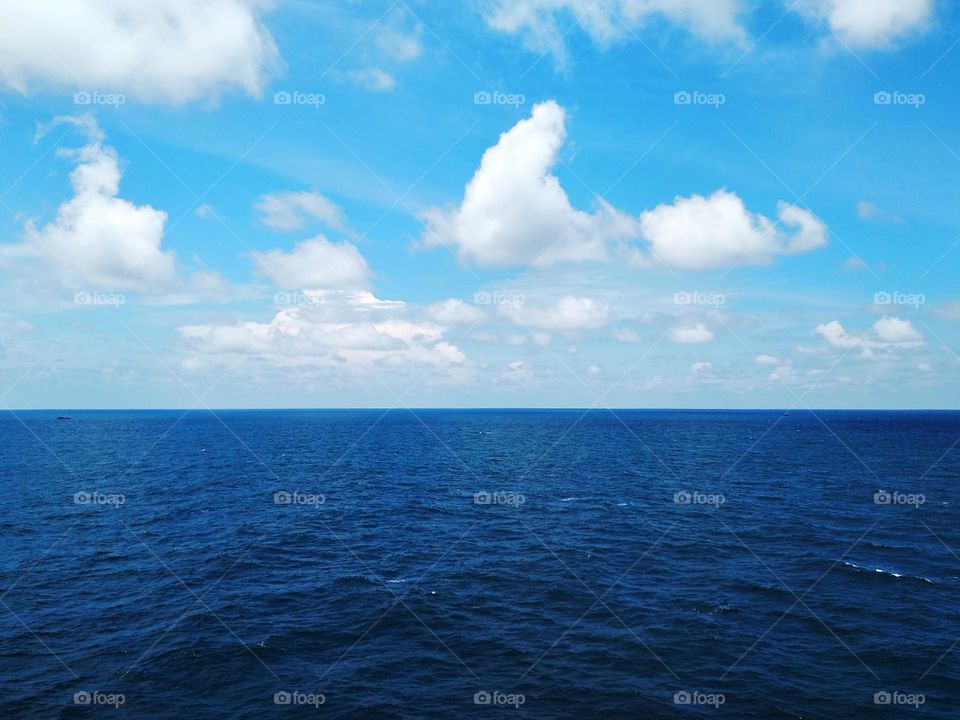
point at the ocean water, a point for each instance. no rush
(447, 564)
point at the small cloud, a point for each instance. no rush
(886, 333)
(866, 210)
(855, 264)
(691, 334)
(293, 210)
(205, 211)
(766, 360)
(373, 79)
(625, 335)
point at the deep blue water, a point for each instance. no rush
(175, 580)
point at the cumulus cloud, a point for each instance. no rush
(98, 240)
(766, 360)
(158, 51)
(514, 211)
(542, 24)
(886, 333)
(315, 264)
(699, 233)
(293, 210)
(338, 329)
(870, 23)
(691, 334)
(568, 314)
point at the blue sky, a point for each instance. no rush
(566, 203)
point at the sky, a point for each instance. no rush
(484, 203)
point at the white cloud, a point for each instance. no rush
(568, 314)
(398, 42)
(700, 368)
(373, 79)
(158, 51)
(896, 331)
(691, 334)
(870, 23)
(454, 312)
(293, 210)
(766, 360)
(514, 212)
(626, 335)
(699, 233)
(542, 24)
(887, 332)
(341, 329)
(98, 241)
(315, 264)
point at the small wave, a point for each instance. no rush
(568, 499)
(889, 573)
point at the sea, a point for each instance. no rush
(480, 564)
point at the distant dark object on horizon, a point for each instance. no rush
(62, 417)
